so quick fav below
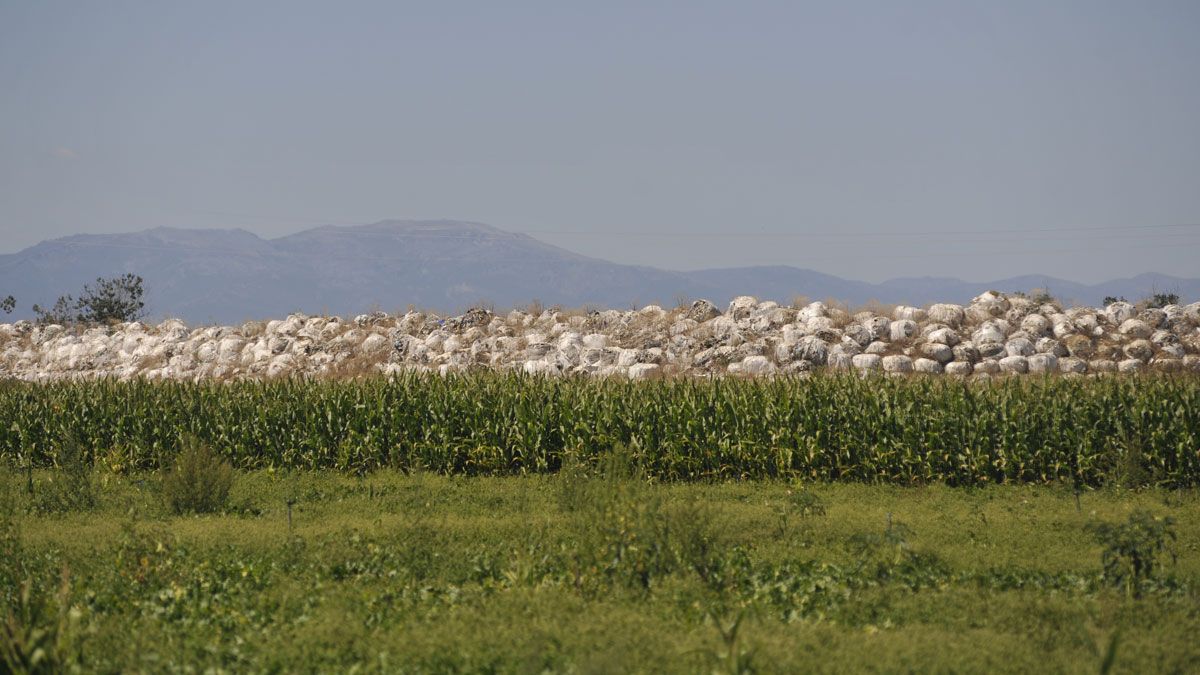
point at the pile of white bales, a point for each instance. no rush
(993, 335)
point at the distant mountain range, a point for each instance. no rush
(229, 276)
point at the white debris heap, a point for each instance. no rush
(994, 335)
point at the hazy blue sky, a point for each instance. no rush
(865, 139)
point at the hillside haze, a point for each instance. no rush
(232, 275)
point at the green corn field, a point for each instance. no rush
(895, 430)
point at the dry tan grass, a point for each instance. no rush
(876, 307)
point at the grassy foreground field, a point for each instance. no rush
(591, 571)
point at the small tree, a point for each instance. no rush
(61, 313)
(8, 304)
(1109, 299)
(115, 299)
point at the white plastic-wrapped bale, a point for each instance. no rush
(910, 313)
(945, 336)
(846, 346)
(966, 353)
(975, 314)
(628, 357)
(281, 365)
(1079, 345)
(897, 363)
(1072, 364)
(702, 310)
(988, 350)
(208, 352)
(374, 343)
(1019, 347)
(838, 359)
(987, 367)
(652, 312)
(902, 329)
(1130, 366)
(1084, 322)
(1166, 365)
(641, 371)
(811, 310)
(757, 365)
(533, 351)
(1050, 346)
(1118, 313)
(1173, 351)
(989, 332)
(566, 340)
(1036, 325)
(1141, 350)
(1062, 329)
(800, 368)
(1164, 338)
(540, 367)
(1153, 317)
(993, 300)
(867, 362)
(936, 351)
(818, 323)
(926, 366)
(1135, 328)
(595, 341)
(1043, 363)
(959, 368)
(1015, 364)
(878, 326)
(951, 315)
(741, 307)
(783, 352)
(811, 349)
(877, 347)
(859, 333)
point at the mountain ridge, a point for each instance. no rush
(227, 275)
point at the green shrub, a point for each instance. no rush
(1160, 300)
(1132, 548)
(199, 481)
(70, 487)
(797, 502)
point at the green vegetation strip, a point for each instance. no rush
(592, 571)
(902, 430)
